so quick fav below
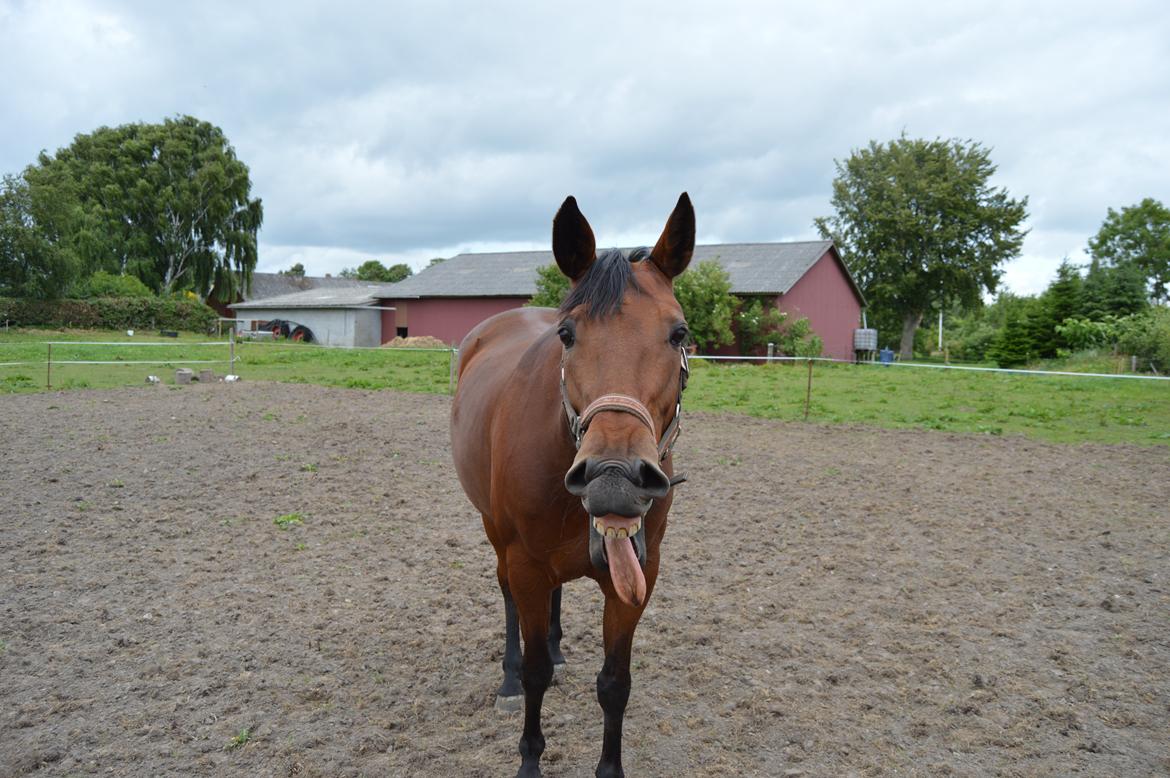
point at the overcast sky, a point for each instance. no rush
(404, 131)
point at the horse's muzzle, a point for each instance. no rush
(615, 486)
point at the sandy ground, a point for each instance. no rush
(833, 601)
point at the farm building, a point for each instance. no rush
(803, 279)
(268, 285)
(341, 316)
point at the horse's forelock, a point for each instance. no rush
(604, 285)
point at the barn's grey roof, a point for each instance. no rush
(753, 268)
(266, 285)
(360, 294)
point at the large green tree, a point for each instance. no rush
(1138, 235)
(31, 264)
(919, 226)
(169, 203)
(1113, 290)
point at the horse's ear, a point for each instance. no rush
(573, 244)
(673, 251)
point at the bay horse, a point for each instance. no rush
(566, 494)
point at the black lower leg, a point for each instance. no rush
(537, 676)
(512, 659)
(554, 629)
(613, 692)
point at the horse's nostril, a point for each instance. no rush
(577, 478)
(652, 479)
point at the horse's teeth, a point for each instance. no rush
(622, 533)
(600, 525)
(610, 532)
(634, 529)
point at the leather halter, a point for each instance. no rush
(579, 423)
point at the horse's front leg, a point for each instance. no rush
(555, 633)
(532, 595)
(613, 682)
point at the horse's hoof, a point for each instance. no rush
(558, 671)
(509, 704)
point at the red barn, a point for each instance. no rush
(806, 279)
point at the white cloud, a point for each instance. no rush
(409, 132)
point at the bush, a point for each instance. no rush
(103, 284)
(551, 287)
(1147, 337)
(113, 313)
(704, 292)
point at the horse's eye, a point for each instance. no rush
(565, 333)
(679, 336)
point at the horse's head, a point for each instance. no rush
(623, 365)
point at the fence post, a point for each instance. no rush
(451, 370)
(808, 390)
(49, 368)
(771, 351)
(232, 350)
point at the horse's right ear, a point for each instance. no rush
(573, 244)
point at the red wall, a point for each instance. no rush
(445, 318)
(825, 296)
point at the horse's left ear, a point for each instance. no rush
(673, 251)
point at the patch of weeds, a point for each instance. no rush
(270, 416)
(300, 419)
(988, 429)
(19, 382)
(225, 522)
(301, 546)
(283, 457)
(117, 483)
(456, 565)
(833, 471)
(3, 646)
(83, 506)
(288, 520)
(240, 740)
(309, 467)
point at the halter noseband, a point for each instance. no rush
(579, 424)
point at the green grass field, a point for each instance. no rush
(1056, 408)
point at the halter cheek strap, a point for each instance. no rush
(578, 424)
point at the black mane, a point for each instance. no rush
(605, 283)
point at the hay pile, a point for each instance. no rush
(423, 341)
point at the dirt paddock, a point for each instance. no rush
(833, 601)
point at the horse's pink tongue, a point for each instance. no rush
(625, 572)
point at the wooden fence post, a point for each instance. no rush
(451, 370)
(49, 368)
(808, 391)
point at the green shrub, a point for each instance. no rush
(1147, 337)
(103, 284)
(113, 313)
(551, 287)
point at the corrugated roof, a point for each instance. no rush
(343, 297)
(265, 285)
(753, 268)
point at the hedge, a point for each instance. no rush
(113, 313)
